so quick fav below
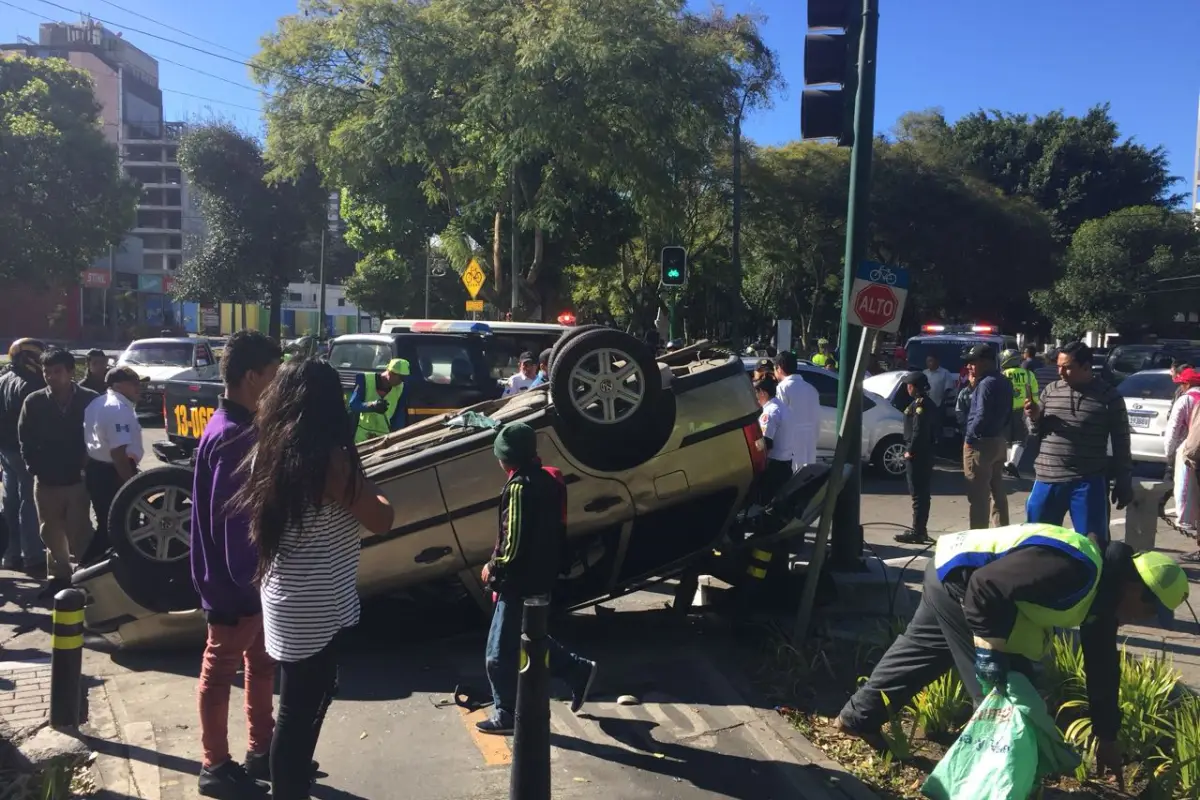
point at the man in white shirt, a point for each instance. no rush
(804, 406)
(524, 377)
(114, 444)
(941, 380)
(775, 421)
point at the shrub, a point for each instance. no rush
(942, 706)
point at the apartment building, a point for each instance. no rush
(127, 291)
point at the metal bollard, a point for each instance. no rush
(66, 660)
(530, 777)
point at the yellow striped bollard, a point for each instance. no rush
(66, 660)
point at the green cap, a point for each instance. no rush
(516, 444)
(398, 366)
(1166, 580)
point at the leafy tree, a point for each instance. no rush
(1073, 168)
(578, 116)
(63, 199)
(1115, 268)
(382, 285)
(260, 233)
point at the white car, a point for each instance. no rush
(883, 425)
(1148, 396)
(156, 361)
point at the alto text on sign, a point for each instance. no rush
(877, 296)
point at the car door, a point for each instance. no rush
(206, 365)
(447, 374)
(827, 387)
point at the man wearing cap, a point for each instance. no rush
(377, 402)
(543, 372)
(920, 419)
(525, 563)
(114, 443)
(1078, 416)
(991, 603)
(985, 440)
(823, 357)
(524, 377)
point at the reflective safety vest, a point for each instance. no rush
(372, 425)
(823, 360)
(1020, 377)
(1035, 624)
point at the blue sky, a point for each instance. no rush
(1019, 55)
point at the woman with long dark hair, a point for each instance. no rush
(307, 496)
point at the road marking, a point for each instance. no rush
(494, 749)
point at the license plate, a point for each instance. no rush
(1139, 422)
(190, 422)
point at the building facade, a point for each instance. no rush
(300, 317)
(125, 293)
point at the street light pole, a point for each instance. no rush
(847, 543)
(321, 300)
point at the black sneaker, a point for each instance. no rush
(1011, 471)
(500, 724)
(230, 781)
(912, 537)
(258, 766)
(581, 688)
(52, 588)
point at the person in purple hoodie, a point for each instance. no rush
(224, 561)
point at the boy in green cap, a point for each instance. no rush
(525, 563)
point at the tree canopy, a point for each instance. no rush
(63, 199)
(260, 232)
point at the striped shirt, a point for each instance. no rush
(310, 592)
(1075, 429)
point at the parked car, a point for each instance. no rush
(888, 386)
(157, 361)
(883, 425)
(659, 459)
(1128, 359)
(1148, 396)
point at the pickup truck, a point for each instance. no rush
(455, 364)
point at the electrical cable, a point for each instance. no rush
(172, 28)
(212, 100)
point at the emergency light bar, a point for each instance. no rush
(959, 329)
(435, 326)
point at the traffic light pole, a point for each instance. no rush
(847, 541)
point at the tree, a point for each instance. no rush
(1115, 266)
(63, 199)
(260, 233)
(1073, 168)
(570, 115)
(382, 286)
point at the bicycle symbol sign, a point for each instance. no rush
(878, 295)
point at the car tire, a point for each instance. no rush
(888, 458)
(149, 526)
(608, 395)
(567, 336)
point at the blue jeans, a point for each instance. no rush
(504, 654)
(20, 513)
(1086, 499)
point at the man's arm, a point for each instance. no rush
(979, 403)
(358, 400)
(122, 463)
(27, 436)
(1098, 636)
(921, 422)
(514, 541)
(1118, 431)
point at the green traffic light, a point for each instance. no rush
(672, 273)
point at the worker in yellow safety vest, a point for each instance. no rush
(377, 401)
(824, 358)
(1024, 386)
(991, 603)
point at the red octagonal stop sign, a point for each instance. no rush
(876, 305)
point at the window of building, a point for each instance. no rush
(341, 302)
(173, 262)
(172, 197)
(175, 242)
(172, 175)
(294, 297)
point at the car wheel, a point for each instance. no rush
(608, 395)
(149, 526)
(888, 457)
(567, 336)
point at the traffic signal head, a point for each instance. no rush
(674, 266)
(830, 61)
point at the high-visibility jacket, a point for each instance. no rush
(1035, 624)
(1020, 377)
(824, 360)
(372, 425)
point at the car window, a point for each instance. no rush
(158, 354)
(360, 356)
(1148, 386)
(502, 351)
(826, 386)
(948, 353)
(204, 356)
(445, 363)
(1128, 359)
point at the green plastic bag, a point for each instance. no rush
(1003, 753)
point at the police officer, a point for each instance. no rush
(113, 436)
(824, 358)
(920, 419)
(992, 600)
(1025, 386)
(376, 401)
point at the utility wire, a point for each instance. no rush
(213, 100)
(172, 28)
